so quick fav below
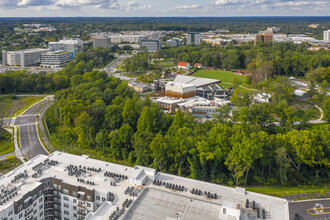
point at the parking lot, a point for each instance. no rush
(311, 210)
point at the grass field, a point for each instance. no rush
(280, 191)
(8, 165)
(6, 143)
(224, 76)
(168, 64)
(9, 106)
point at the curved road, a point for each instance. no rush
(28, 132)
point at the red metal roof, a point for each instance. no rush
(198, 64)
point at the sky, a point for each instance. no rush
(163, 8)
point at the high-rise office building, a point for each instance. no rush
(326, 36)
(264, 37)
(194, 38)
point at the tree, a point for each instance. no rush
(160, 152)
(283, 163)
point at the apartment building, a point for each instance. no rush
(174, 42)
(56, 58)
(22, 57)
(70, 187)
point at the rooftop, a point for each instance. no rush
(197, 81)
(156, 201)
(29, 50)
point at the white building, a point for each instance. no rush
(74, 46)
(194, 38)
(326, 36)
(174, 42)
(263, 97)
(22, 57)
(69, 187)
(184, 65)
(56, 58)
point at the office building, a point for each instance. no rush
(194, 38)
(314, 25)
(22, 57)
(151, 45)
(326, 36)
(174, 42)
(130, 39)
(56, 58)
(101, 42)
(273, 29)
(264, 37)
(71, 45)
(69, 187)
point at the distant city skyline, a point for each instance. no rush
(160, 8)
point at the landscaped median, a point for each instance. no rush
(6, 142)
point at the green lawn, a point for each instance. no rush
(224, 76)
(280, 191)
(6, 143)
(303, 108)
(168, 64)
(11, 105)
(8, 165)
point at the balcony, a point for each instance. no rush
(28, 212)
(82, 213)
(82, 206)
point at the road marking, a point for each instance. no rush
(29, 135)
(321, 211)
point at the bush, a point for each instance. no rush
(10, 157)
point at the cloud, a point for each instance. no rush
(51, 4)
(225, 2)
(187, 7)
(134, 6)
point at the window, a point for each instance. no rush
(74, 193)
(88, 198)
(40, 200)
(40, 193)
(20, 215)
(34, 204)
(55, 186)
(55, 206)
(20, 208)
(74, 215)
(59, 187)
(66, 218)
(41, 214)
(66, 198)
(74, 208)
(66, 205)
(40, 207)
(97, 198)
(88, 205)
(65, 191)
(103, 199)
(74, 201)
(66, 212)
(10, 212)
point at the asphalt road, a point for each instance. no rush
(28, 134)
(30, 143)
(310, 210)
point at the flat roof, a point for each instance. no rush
(197, 81)
(28, 50)
(155, 202)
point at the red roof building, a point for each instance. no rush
(199, 65)
(183, 65)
